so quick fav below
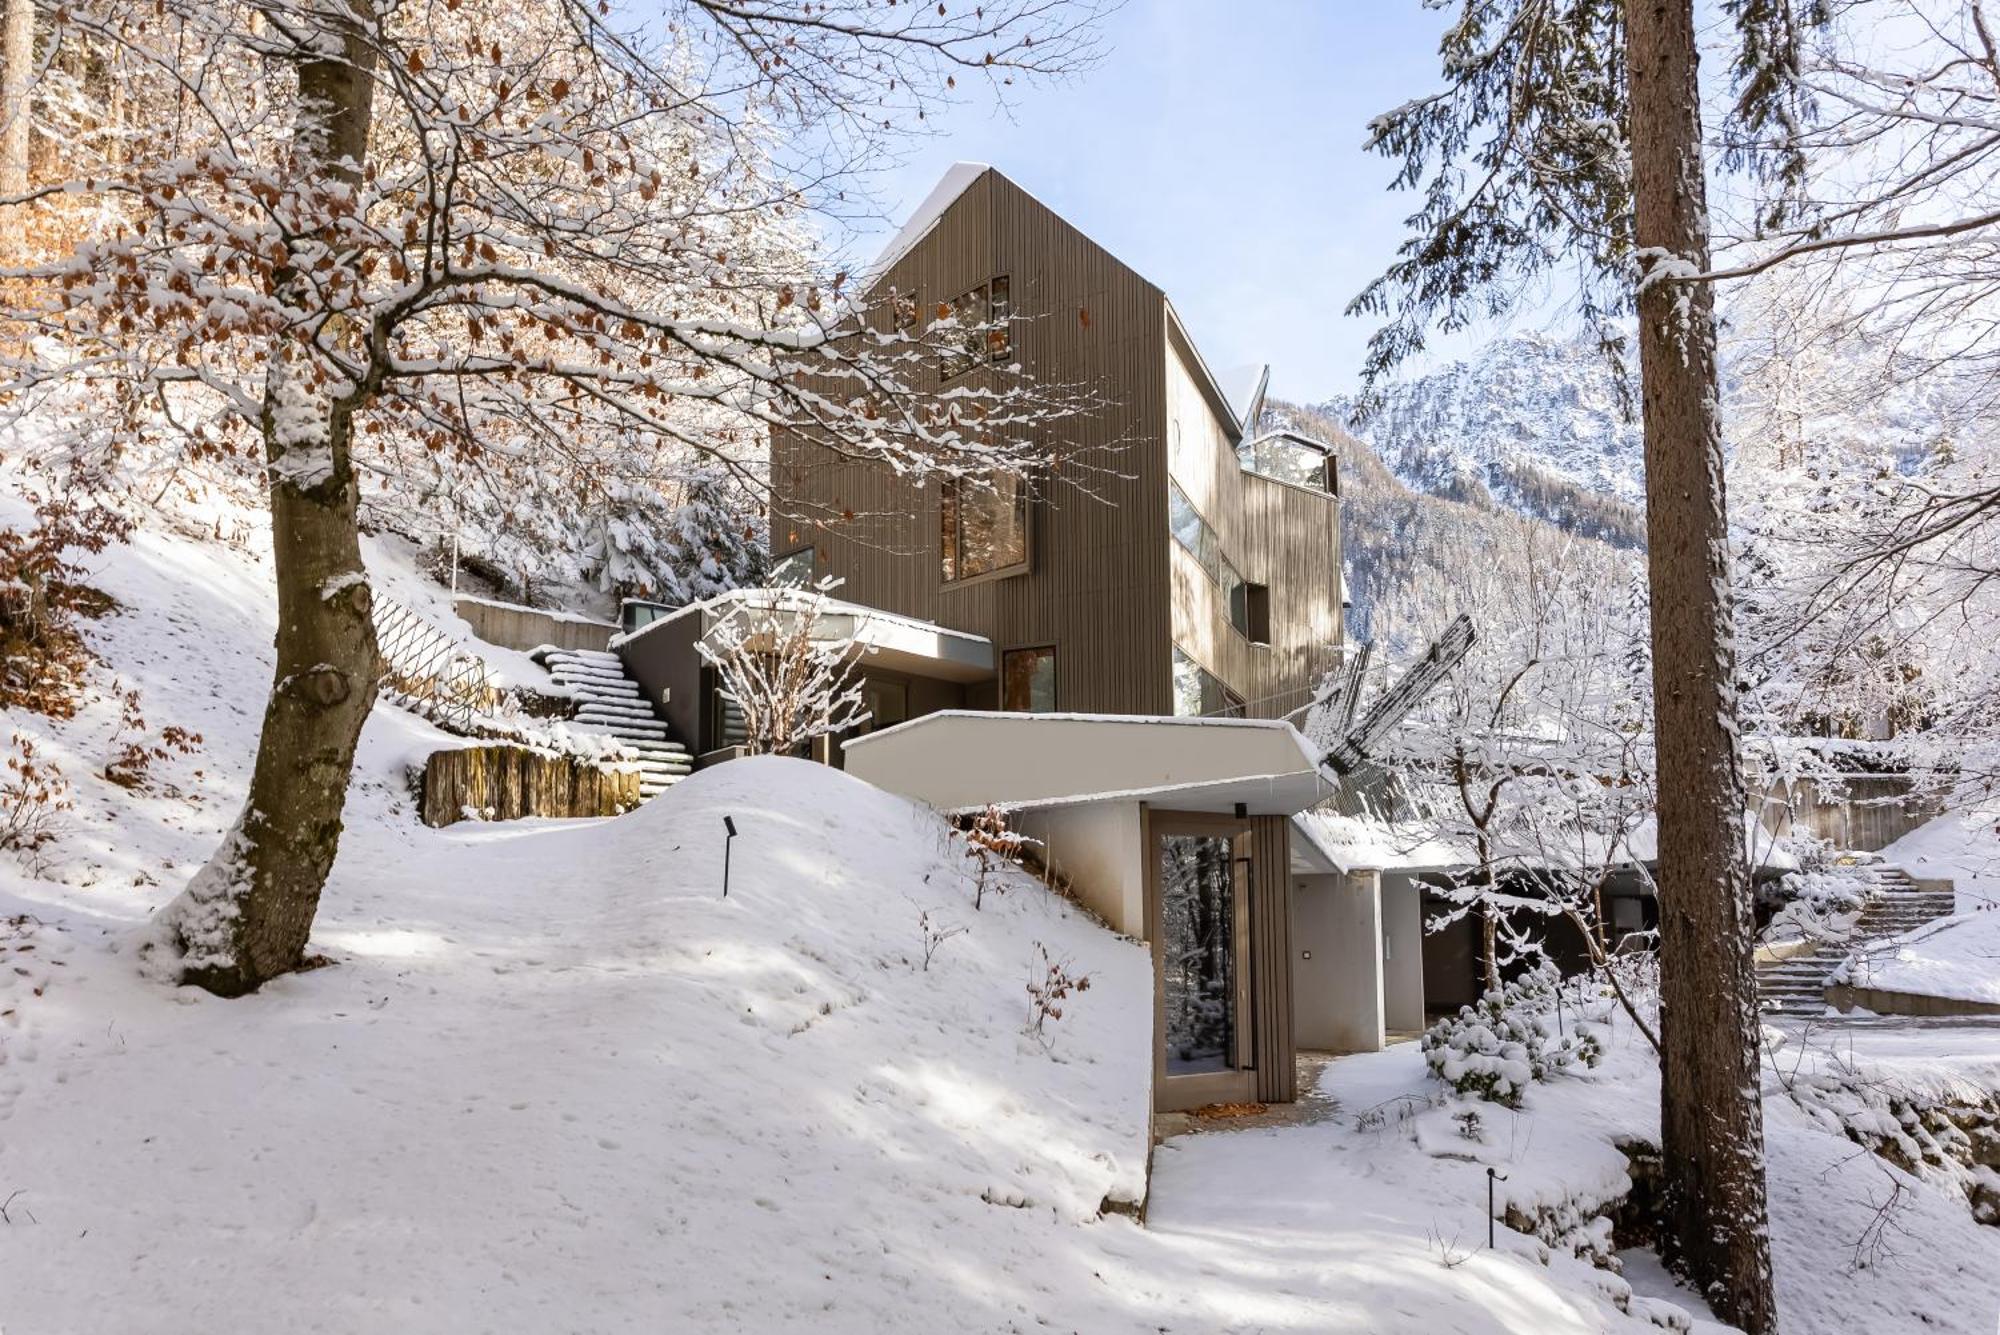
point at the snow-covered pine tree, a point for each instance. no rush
(510, 233)
(1569, 133)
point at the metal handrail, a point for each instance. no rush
(432, 674)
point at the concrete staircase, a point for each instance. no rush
(610, 703)
(1895, 904)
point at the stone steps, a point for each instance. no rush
(611, 704)
(1895, 905)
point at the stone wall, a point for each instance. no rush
(1871, 812)
(510, 782)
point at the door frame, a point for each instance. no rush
(1175, 1093)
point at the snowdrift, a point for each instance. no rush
(554, 1080)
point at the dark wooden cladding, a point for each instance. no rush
(1097, 539)
(1271, 953)
(1106, 585)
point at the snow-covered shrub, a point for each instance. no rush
(989, 843)
(1492, 1050)
(43, 595)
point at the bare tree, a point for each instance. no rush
(503, 231)
(782, 664)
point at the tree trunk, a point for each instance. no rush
(1711, 1116)
(247, 915)
(17, 86)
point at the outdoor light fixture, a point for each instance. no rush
(1492, 1174)
(729, 824)
(1243, 811)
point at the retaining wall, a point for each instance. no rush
(510, 782)
(515, 627)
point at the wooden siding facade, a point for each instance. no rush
(1282, 536)
(1097, 570)
(1106, 585)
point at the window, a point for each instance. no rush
(982, 527)
(1198, 903)
(1028, 681)
(983, 333)
(1197, 693)
(1256, 625)
(795, 570)
(1293, 459)
(1191, 531)
(634, 613)
(887, 702)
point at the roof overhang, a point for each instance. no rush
(881, 639)
(966, 760)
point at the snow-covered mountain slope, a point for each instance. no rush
(1531, 423)
(1399, 545)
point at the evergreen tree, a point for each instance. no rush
(1569, 135)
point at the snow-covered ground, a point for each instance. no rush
(1958, 956)
(553, 1080)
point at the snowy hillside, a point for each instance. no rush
(1530, 423)
(550, 1078)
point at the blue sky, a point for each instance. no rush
(1217, 149)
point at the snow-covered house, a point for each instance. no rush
(1112, 664)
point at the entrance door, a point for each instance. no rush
(1200, 873)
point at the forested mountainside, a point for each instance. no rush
(1402, 545)
(1530, 423)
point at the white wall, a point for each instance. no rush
(1337, 997)
(959, 761)
(1403, 954)
(1098, 849)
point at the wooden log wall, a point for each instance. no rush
(512, 782)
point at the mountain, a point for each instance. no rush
(1406, 551)
(1531, 423)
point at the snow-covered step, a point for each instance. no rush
(613, 709)
(1894, 905)
(611, 704)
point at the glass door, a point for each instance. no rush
(1201, 892)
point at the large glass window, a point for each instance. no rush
(983, 333)
(795, 569)
(1197, 692)
(982, 527)
(1292, 459)
(1191, 531)
(1028, 681)
(1198, 949)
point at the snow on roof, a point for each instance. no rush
(787, 598)
(955, 182)
(1414, 845)
(1032, 761)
